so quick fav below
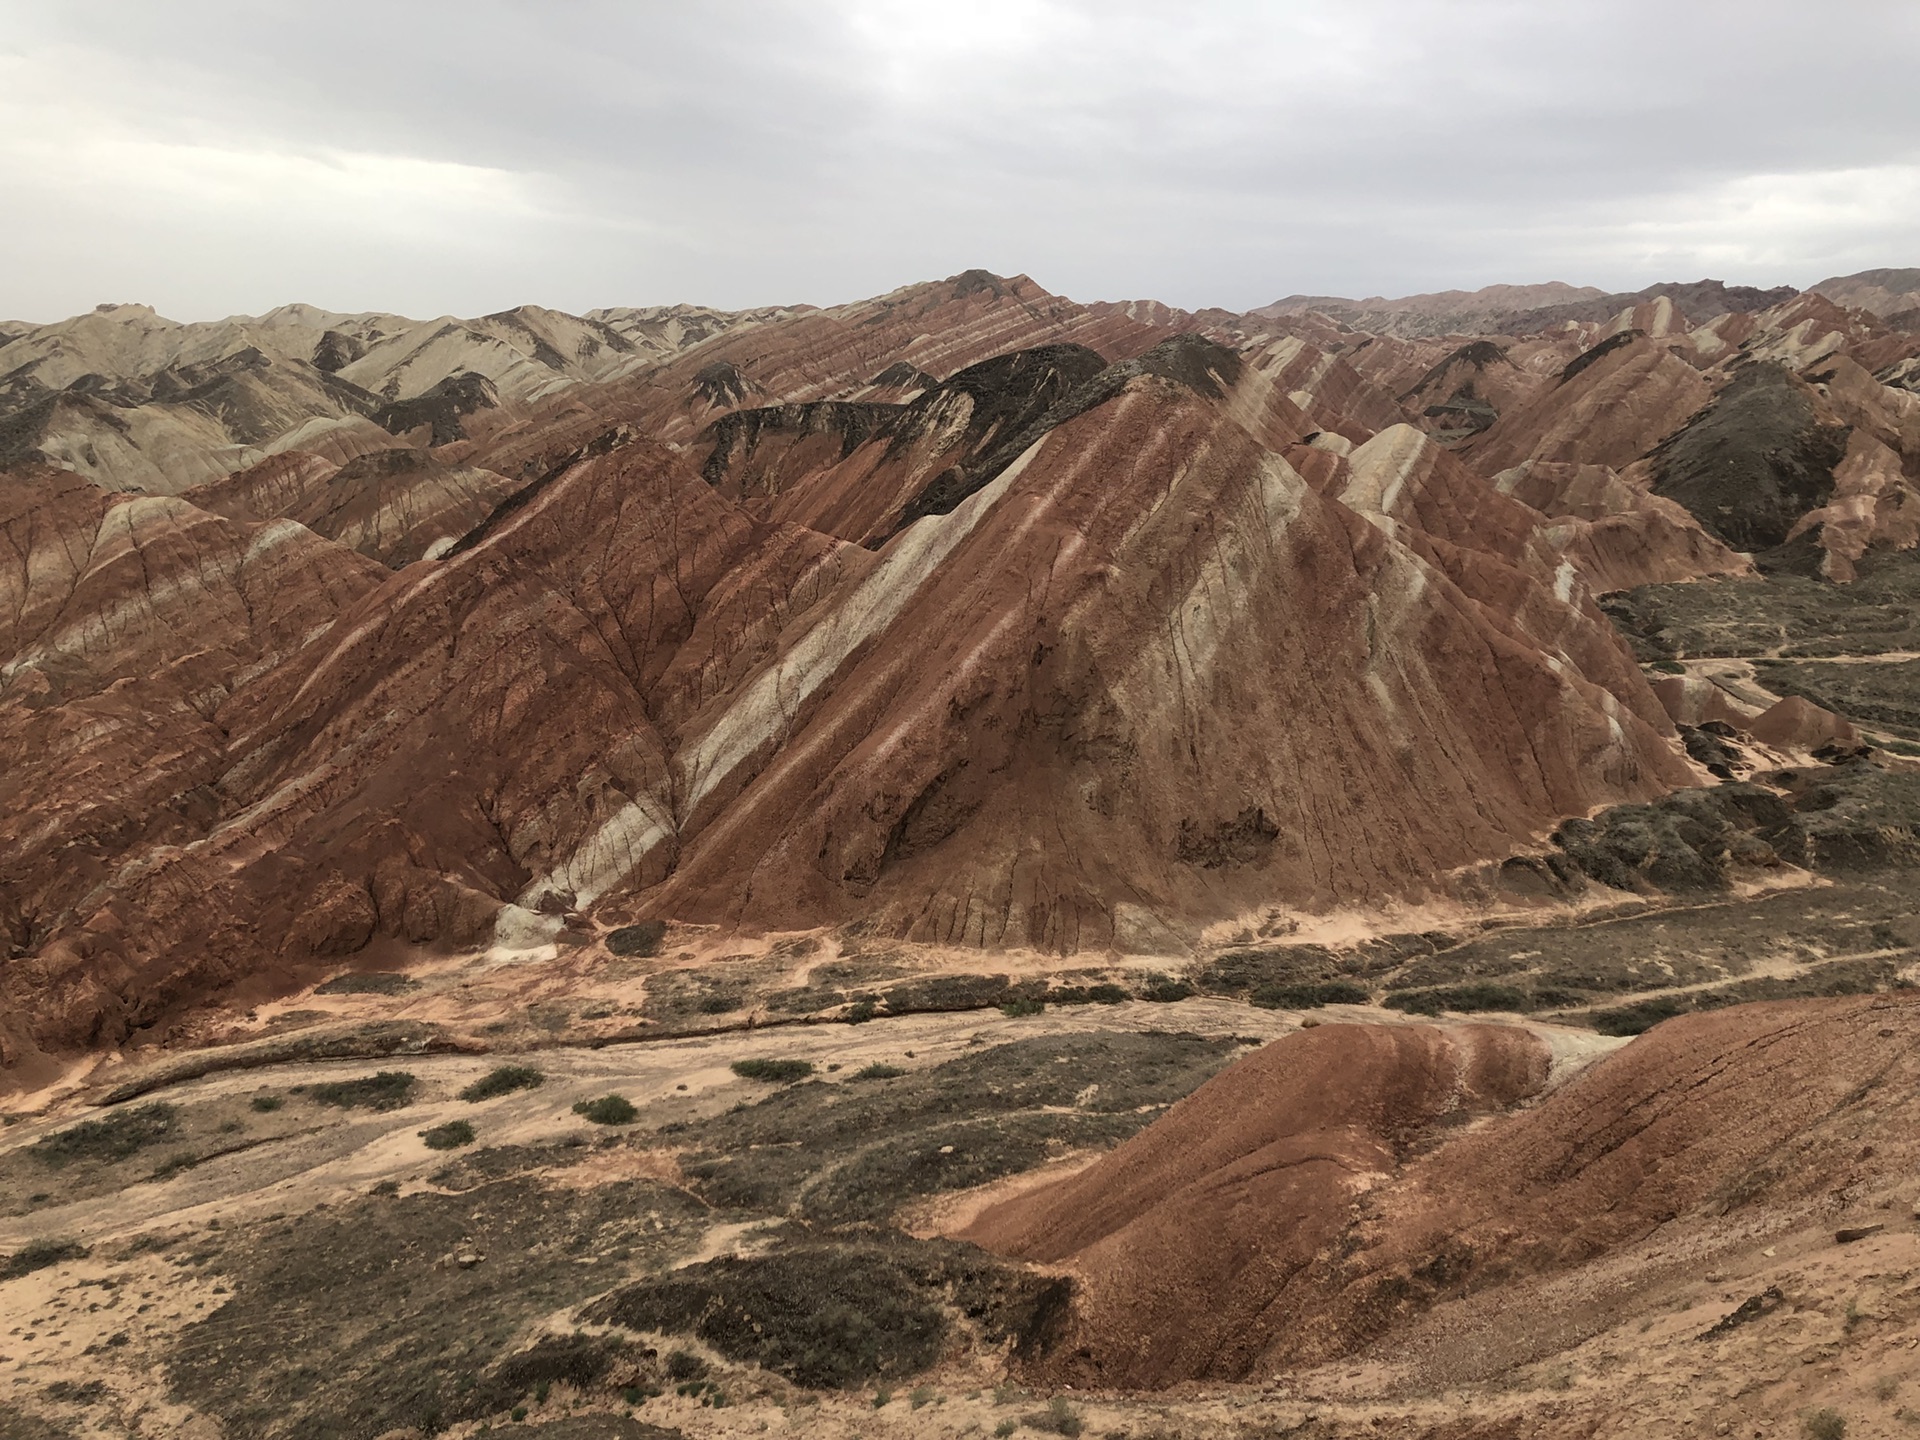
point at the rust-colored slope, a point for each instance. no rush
(395, 505)
(1031, 741)
(1277, 1218)
(1189, 1235)
(1613, 405)
(132, 623)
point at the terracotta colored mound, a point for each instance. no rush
(1259, 1226)
(1190, 1234)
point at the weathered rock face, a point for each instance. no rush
(1059, 651)
(396, 505)
(968, 612)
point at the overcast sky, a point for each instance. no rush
(209, 157)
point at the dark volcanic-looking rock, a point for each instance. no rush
(441, 408)
(1754, 461)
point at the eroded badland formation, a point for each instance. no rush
(963, 864)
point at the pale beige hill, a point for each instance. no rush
(1488, 299)
(1885, 292)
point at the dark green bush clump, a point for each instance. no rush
(640, 940)
(828, 1318)
(1059, 1418)
(37, 1255)
(267, 1104)
(450, 1136)
(116, 1137)
(879, 1070)
(503, 1081)
(375, 983)
(1107, 994)
(1024, 1006)
(387, 1090)
(607, 1110)
(1164, 991)
(861, 1011)
(776, 1072)
(1640, 1017)
(1310, 995)
(1476, 995)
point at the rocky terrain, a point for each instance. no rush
(964, 863)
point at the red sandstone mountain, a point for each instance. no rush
(968, 612)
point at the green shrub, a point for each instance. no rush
(38, 1254)
(1059, 1418)
(1023, 1006)
(1475, 995)
(1005, 1428)
(861, 1011)
(607, 1110)
(641, 940)
(1310, 995)
(1163, 991)
(685, 1365)
(1639, 1017)
(879, 1070)
(776, 1072)
(1668, 667)
(118, 1135)
(503, 1080)
(266, 1104)
(386, 1090)
(450, 1136)
(1826, 1424)
(375, 983)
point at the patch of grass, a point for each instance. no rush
(1163, 991)
(1825, 1423)
(641, 940)
(174, 1164)
(1310, 995)
(1059, 1418)
(450, 1136)
(1022, 1007)
(38, 1255)
(826, 1318)
(1473, 996)
(385, 1090)
(267, 1104)
(861, 1011)
(1005, 1428)
(374, 983)
(775, 1072)
(879, 1070)
(607, 1110)
(503, 1080)
(1640, 1017)
(921, 1397)
(684, 1365)
(118, 1135)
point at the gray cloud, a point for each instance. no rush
(209, 156)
